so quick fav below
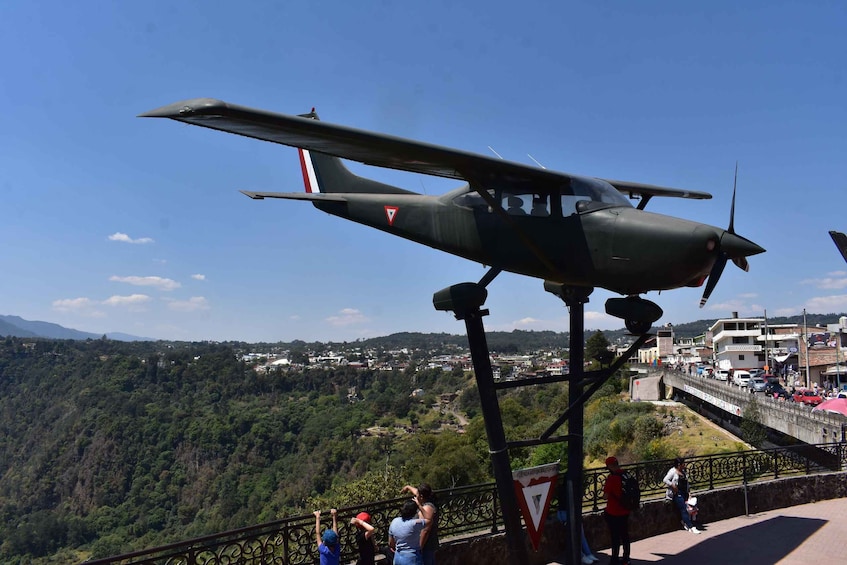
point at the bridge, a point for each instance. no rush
(728, 401)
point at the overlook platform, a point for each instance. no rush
(797, 535)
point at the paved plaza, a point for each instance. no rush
(809, 534)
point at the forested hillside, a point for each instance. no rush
(109, 446)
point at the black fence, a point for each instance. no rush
(475, 509)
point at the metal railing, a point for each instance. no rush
(475, 509)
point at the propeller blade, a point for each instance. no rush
(714, 277)
(741, 263)
(731, 228)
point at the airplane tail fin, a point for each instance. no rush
(323, 173)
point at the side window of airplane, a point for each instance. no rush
(516, 204)
(526, 204)
(540, 207)
(570, 204)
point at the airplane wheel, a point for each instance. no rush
(638, 327)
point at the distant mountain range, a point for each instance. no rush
(18, 327)
(516, 339)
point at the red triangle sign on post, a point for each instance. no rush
(534, 489)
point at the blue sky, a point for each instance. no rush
(114, 223)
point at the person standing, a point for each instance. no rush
(562, 514)
(364, 538)
(677, 482)
(328, 546)
(425, 498)
(615, 514)
(404, 535)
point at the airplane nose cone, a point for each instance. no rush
(736, 246)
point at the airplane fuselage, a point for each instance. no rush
(622, 249)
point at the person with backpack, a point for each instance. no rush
(616, 513)
(677, 482)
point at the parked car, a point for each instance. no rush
(721, 374)
(769, 378)
(776, 390)
(807, 396)
(756, 372)
(757, 384)
(741, 378)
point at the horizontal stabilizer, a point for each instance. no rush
(313, 197)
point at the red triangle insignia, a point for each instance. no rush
(391, 213)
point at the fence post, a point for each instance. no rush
(711, 473)
(744, 482)
(495, 500)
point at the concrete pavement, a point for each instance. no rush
(808, 534)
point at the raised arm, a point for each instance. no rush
(317, 514)
(369, 530)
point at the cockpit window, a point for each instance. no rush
(585, 194)
(579, 195)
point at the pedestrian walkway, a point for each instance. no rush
(800, 535)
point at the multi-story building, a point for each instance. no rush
(736, 343)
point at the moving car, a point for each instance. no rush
(722, 374)
(769, 378)
(756, 372)
(776, 390)
(741, 378)
(807, 396)
(757, 384)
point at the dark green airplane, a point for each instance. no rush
(563, 228)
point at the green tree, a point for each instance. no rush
(752, 429)
(597, 348)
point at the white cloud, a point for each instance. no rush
(743, 307)
(157, 282)
(528, 321)
(198, 277)
(79, 306)
(73, 304)
(828, 283)
(131, 300)
(347, 316)
(827, 304)
(122, 237)
(193, 304)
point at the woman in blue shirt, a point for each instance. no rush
(404, 535)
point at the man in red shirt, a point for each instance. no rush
(617, 517)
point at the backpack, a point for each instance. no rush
(631, 492)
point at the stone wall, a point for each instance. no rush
(655, 517)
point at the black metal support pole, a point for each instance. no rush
(465, 300)
(575, 299)
(575, 427)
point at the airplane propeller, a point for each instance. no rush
(729, 245)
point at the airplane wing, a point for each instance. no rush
(840, 242)
(376, 149)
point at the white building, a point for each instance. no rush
(736, 343)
